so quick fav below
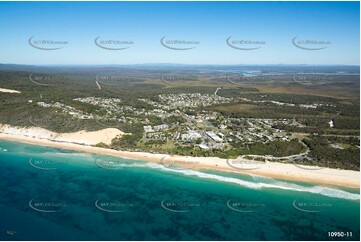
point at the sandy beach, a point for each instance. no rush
(294, 172)
(81, 137)
(8, 90)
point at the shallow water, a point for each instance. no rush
(53, 194)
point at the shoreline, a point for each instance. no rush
(5, 90)
(285, 171)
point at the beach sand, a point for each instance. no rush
(287, 171)
(80, 137)
(8, 90)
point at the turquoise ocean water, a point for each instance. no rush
(54, 194)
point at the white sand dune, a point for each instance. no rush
(80, 137)
(8, 90)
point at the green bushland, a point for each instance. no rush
(347, 157)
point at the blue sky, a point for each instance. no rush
(209, 23)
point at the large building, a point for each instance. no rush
(214, 137)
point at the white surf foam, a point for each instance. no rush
(326, 191)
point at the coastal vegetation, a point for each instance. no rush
(186, 117)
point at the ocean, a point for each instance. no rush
(54, 194)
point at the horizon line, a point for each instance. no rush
(180, 64)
